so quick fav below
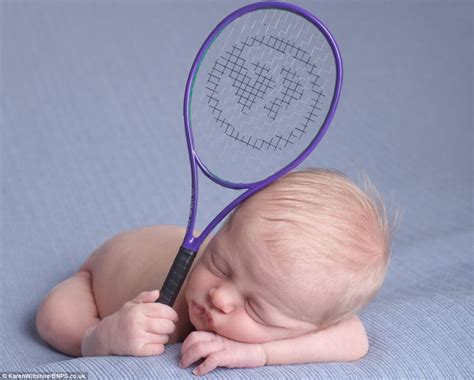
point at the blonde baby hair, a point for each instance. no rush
(320, 218)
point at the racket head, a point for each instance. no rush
(204, 122)
(267, 91)
(197, 154)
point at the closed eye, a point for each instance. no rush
(216, 270)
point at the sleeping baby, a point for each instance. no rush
(280, 283)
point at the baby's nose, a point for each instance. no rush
(221, 300)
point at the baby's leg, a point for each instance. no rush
(67, 312)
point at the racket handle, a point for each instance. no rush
(176, 276)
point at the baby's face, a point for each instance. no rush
(230, 293)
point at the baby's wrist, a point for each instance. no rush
(94, 342)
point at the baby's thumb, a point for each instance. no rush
(147, 296)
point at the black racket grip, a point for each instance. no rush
(176, 276)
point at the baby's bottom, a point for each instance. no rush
(123, 267)
(67, 313)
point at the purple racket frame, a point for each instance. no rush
(191, 244)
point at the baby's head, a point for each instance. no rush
(301, 255)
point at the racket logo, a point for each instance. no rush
(269, 79)
(191, 207)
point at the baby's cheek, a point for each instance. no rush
(242, 329)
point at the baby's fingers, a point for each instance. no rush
(151, 349)
(198, 351)
(151, 338)
(147, 296)
(159, 326)
(197, 336)
(216, 359)
(159, 310)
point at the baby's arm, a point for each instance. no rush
(345, 341)
(68, 320)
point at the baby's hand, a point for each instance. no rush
(219, 352)
(140, 327)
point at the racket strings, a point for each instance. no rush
(261, 94)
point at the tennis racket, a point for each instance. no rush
(260, 95)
